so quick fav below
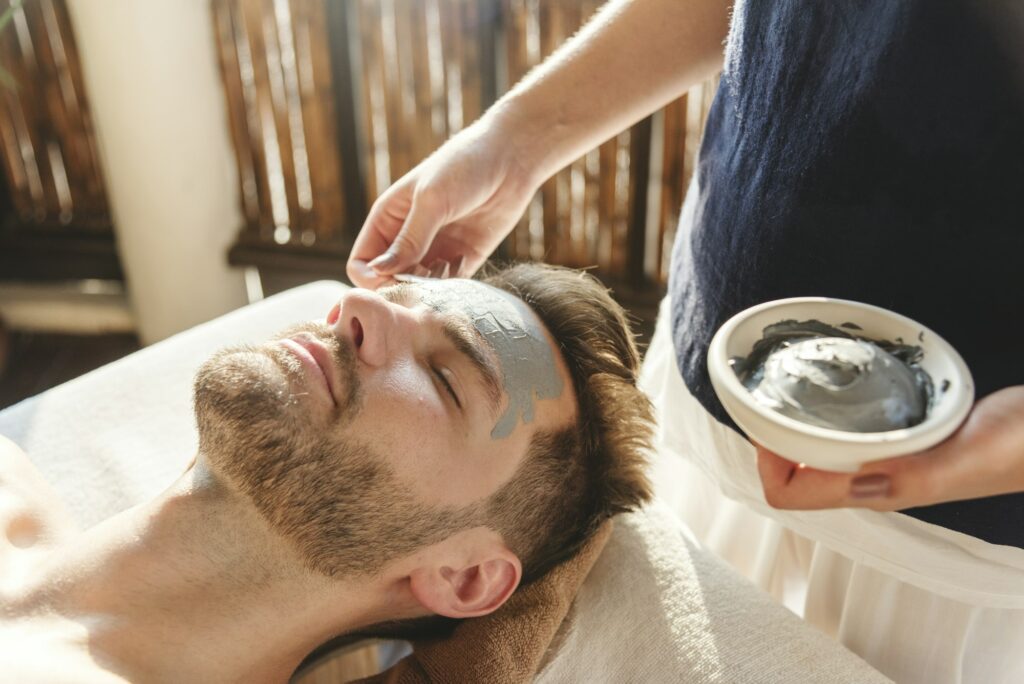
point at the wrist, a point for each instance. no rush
(535, 139)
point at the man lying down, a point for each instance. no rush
(432, 447)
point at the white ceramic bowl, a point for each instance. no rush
(825, 448)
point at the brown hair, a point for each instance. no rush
(574, 479)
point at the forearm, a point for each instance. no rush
(631, 59)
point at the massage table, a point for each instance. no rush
(656, 607)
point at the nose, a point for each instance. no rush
(371, 323)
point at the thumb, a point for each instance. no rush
(413, 241)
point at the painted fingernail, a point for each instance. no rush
(875, 486)
(383, 262)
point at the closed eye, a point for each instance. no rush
(447, 385)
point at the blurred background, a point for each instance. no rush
(166, 161)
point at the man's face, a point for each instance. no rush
(381, 432)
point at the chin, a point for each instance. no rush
(244, 403)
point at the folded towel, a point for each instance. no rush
(508, 645)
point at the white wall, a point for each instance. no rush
(151, 77)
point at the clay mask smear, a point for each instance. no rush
(516, 336)
(825, 376)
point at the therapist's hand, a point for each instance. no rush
(985, 457)
(446, 216)
(450, 212)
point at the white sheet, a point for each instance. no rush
(658, 608)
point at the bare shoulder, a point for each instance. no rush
(32, 521)
(9, 449)
(26, 497)
(49, 669)
(12, 459)
(35, 652)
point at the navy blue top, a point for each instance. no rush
(872, 151)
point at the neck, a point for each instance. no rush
(194, 586)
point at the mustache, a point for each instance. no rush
(343, 355)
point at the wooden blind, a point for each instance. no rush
(49, 151)
(331, 102)
(57, 220)
(275, 61)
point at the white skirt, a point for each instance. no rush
(919, 602)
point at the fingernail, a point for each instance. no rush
(409, 278)
(875, 486)
(334, 315)
(383, 262)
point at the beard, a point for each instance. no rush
(334, 499)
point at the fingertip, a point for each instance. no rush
(356, 270)
(361, 275)
(440, 269)
(458, 267)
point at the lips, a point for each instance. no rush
(316, 359)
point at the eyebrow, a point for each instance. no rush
(462, 335)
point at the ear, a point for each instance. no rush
(477, 589)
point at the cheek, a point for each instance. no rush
(407, 392)
(403, 414)
(407, 423)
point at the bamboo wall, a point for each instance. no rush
(55, 214)
(330, 102)
(45, 128)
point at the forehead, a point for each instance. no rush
(514, 334)
(476, 299)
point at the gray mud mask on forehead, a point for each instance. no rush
(515, 334)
